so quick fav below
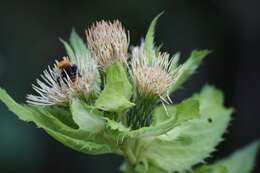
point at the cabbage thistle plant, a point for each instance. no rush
(106, 97)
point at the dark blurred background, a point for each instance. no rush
(29, 33)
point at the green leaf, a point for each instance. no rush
(192, 141)
(188, 68)
(242, 161)
(116, 131)
(19, 110)
(117, 78)
(119, 131)
(186, 110)
(76, 48)
(160, 114)
(148, 168)
(155, 130)
(77, 139)
(174, 63)
(113, 125)
(111, 100)
(83, 146)
(63, 114)
(142, 167)
(117, 92)
(149, 39)
(78, 44)
(211, 169)
(69, 50)
(86, 117)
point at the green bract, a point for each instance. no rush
(112, 116)
(117, 91)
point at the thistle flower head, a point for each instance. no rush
(152, 76)
(108, 42)
(63, 81)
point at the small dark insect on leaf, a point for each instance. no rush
(210, 120)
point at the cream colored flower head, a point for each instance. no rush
(66, 79)
(108, 42)
(152, 75)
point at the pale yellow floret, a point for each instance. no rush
(108, 42)
(153, 76)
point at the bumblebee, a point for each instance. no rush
(69, 71)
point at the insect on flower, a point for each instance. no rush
(69, 71)
(66, 79)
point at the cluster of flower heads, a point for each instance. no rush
(107, 42)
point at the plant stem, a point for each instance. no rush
(129, 168)
(129, 156)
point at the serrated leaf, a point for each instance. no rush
(87, 118)
(188, 68)
(243, 160)
(194, 140)
(82, 139)
(117, 92)
(149, 39)
(43, 118)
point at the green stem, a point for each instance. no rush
(129, 168)
(130, 157)
(137, 149)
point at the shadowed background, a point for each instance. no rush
(29, 41)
